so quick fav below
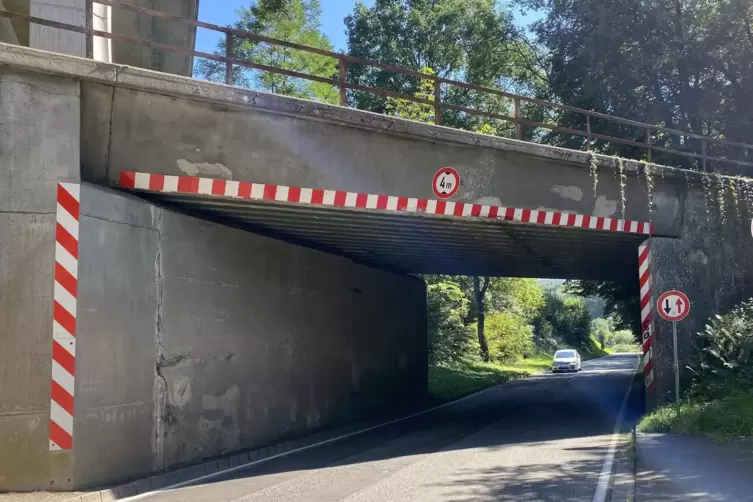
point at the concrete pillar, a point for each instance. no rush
(39, 146)
(54, 39)
(712, 263)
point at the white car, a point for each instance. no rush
(566, 360)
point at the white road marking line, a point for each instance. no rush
(602, 488)
(303, 448)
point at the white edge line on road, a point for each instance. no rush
(303, 448)
(602, 488)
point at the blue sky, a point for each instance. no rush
(222, 12)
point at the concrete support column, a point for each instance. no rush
(54, 39)
(39, 147)
(102, 21)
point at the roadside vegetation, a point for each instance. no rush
(484, 331)
(718, 401)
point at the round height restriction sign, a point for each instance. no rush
(445, 183)
(673, 305)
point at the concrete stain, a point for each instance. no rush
(571, 192)
(218, 425)
(604, 207)
(204, 169)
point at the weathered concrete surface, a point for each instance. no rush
(712, 263)
(122, 22)
(164, 31)
(197, 340)
(115, 360)
(39, 124)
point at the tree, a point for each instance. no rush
(474, 41)
(684, 64)
(412, 110)
(449, 338)
(480, 285)
(290, 20)
(621, 301)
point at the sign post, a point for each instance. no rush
(674, 306)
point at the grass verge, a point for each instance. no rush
(722, 419)
(447, 382)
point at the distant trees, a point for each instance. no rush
(520, 318)
(290, 20)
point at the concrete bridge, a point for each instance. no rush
(226, 269)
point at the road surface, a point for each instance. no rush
(543, 438)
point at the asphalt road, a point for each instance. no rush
(543, 438)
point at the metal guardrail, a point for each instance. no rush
(344, 85)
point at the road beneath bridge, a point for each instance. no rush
(544, 438)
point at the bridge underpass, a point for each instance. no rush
(413, 236)
(195, 339)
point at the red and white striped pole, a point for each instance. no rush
(64, 317)
(644, 274)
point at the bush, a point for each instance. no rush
(450, 339)
(725, 355)
(509, 336)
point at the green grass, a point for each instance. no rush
(721, 419)
(447, 382)
(625, 348)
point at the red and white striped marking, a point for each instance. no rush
(64, 317)
(338, 198)
(644, 276)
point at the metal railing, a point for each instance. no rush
(343, 85)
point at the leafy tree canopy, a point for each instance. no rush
(290, 20)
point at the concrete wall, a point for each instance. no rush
(39, 138)
(123, 22)
(197, 339)
(169, 135)
(712, 262)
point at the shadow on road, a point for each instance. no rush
(516, 418)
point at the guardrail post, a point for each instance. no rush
(343, 81)
(229, 55)
(648, 142)
(89, 26)
(437, 102)
(588, 131)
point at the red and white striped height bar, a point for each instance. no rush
(338, 198)
(64, 317)
(644, 275)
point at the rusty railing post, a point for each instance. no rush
(343, 82)
(437, 101)
(648, 142)
(229, 54)
(588, 131)
(90, 25)
(518, 127)
(703, 152)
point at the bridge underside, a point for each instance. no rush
(417, 242)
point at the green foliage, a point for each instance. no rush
(412, 110)
(724, 419)
(473, 41)
(447, 382)
(620, 301)
(290, 20)
(725, 354)
(685, 65)
(509, 336)
(718, 402)
(569, 319)
(449, 338)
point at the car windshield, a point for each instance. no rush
(562, 354)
